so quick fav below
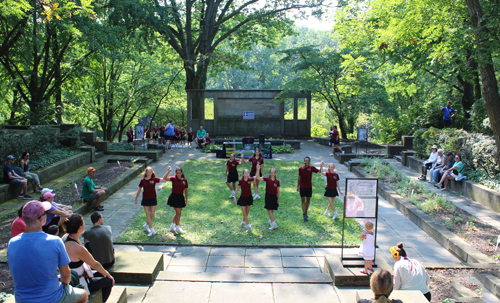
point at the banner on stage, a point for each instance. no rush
(247, 150)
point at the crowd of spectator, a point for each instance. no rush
(443, 169)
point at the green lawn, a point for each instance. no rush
(212, 218)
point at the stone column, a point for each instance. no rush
(309, 115)
(295, 116)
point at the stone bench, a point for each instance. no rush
(136, 267)
(350, 275)
(413, 296)
(343, 158)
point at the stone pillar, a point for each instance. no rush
(189, 111)
(295, 116)
(309, 115)
(282, 115)
(216, 114)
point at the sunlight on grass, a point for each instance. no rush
(212, 218)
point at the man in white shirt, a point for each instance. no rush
(429, 163)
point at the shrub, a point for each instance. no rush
(120, 146)
(283, 149)
(318, 131)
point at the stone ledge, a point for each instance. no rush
(462, 293)
(118, 295)
(491, 282)
(136, 267)
(155, 155)
(350, 276)
(446, 238)
(413, 296)
(244, 278)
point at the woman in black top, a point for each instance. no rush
(78, 255)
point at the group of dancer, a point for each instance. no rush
(178, 199)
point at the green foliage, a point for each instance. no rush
(211, 148)
(282, 149)
(120, 146)
(478, 151)
(211, 218)
(318, 131)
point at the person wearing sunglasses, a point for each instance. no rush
(32, 177)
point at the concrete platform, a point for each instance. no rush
(351, 276)
(136, 267)
(317, 278)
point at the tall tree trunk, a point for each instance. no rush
(491, 96)
(342, 126)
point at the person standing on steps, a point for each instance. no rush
(304, 185)
(170, 134)
(149, 201)
(232, 174)
(448, 114)
(155, 134)
(272, 198)
(130, 136)
(176, 198)
(256, 159)
(245, 200)
(190, 137)
(162, 134)
(332, 184)
(92, 193)
(335, 140)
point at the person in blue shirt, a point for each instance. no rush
(35, 258)
(448, 114)
(452, 173)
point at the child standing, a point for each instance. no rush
(190, 136)
(367, 248)
(232, 173)
(245, 200)
(149, 202)
(332, 184)
(255, 159)
(183, 137)
(272, 194)
(176, 198)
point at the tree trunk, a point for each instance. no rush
(490, 93)
(342, 126)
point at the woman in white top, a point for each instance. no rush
(429, 162)
(409, 274)
(436, 168)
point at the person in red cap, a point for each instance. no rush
(34, 258)
(92, 193)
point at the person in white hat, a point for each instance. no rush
(429, 162)
(34, 260)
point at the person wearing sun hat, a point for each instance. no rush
(429, 162)
(34, 258)
(92, 193)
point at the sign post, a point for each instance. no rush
(362, 137)
(360, 202)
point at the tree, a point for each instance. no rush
(491, 96)
(339, 78)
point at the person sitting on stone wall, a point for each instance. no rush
(440, 163)
(11, 177)
(98, 241)
(32, 177)
(429, 163)
(92, 193)
(200, 137)
(207, 141)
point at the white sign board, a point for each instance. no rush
(248, 115)
(139, 132)
(362, 134)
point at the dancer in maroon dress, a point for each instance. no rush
(272, 194)
(245, 200)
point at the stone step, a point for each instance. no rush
(136, 267)
(99, 154)
(399, 159)
(118, 295)
(244, 278)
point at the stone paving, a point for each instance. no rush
(393, 227)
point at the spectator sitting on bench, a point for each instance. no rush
(440, 163)
(207, 141)
(11, 177)
(32, 177)
(92, 193)
(34, 258)
(56, 215)
(452, 173)
(382, 286)
(98, 241)
(429, 162)
(62, 206)
(200, 137)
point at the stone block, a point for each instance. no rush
(136, 267)
(91, 150)
(413, 296)
(393, 150)
(293, 143)
(118, 295)
(88, 137)
(102, 146)
(317, 278)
